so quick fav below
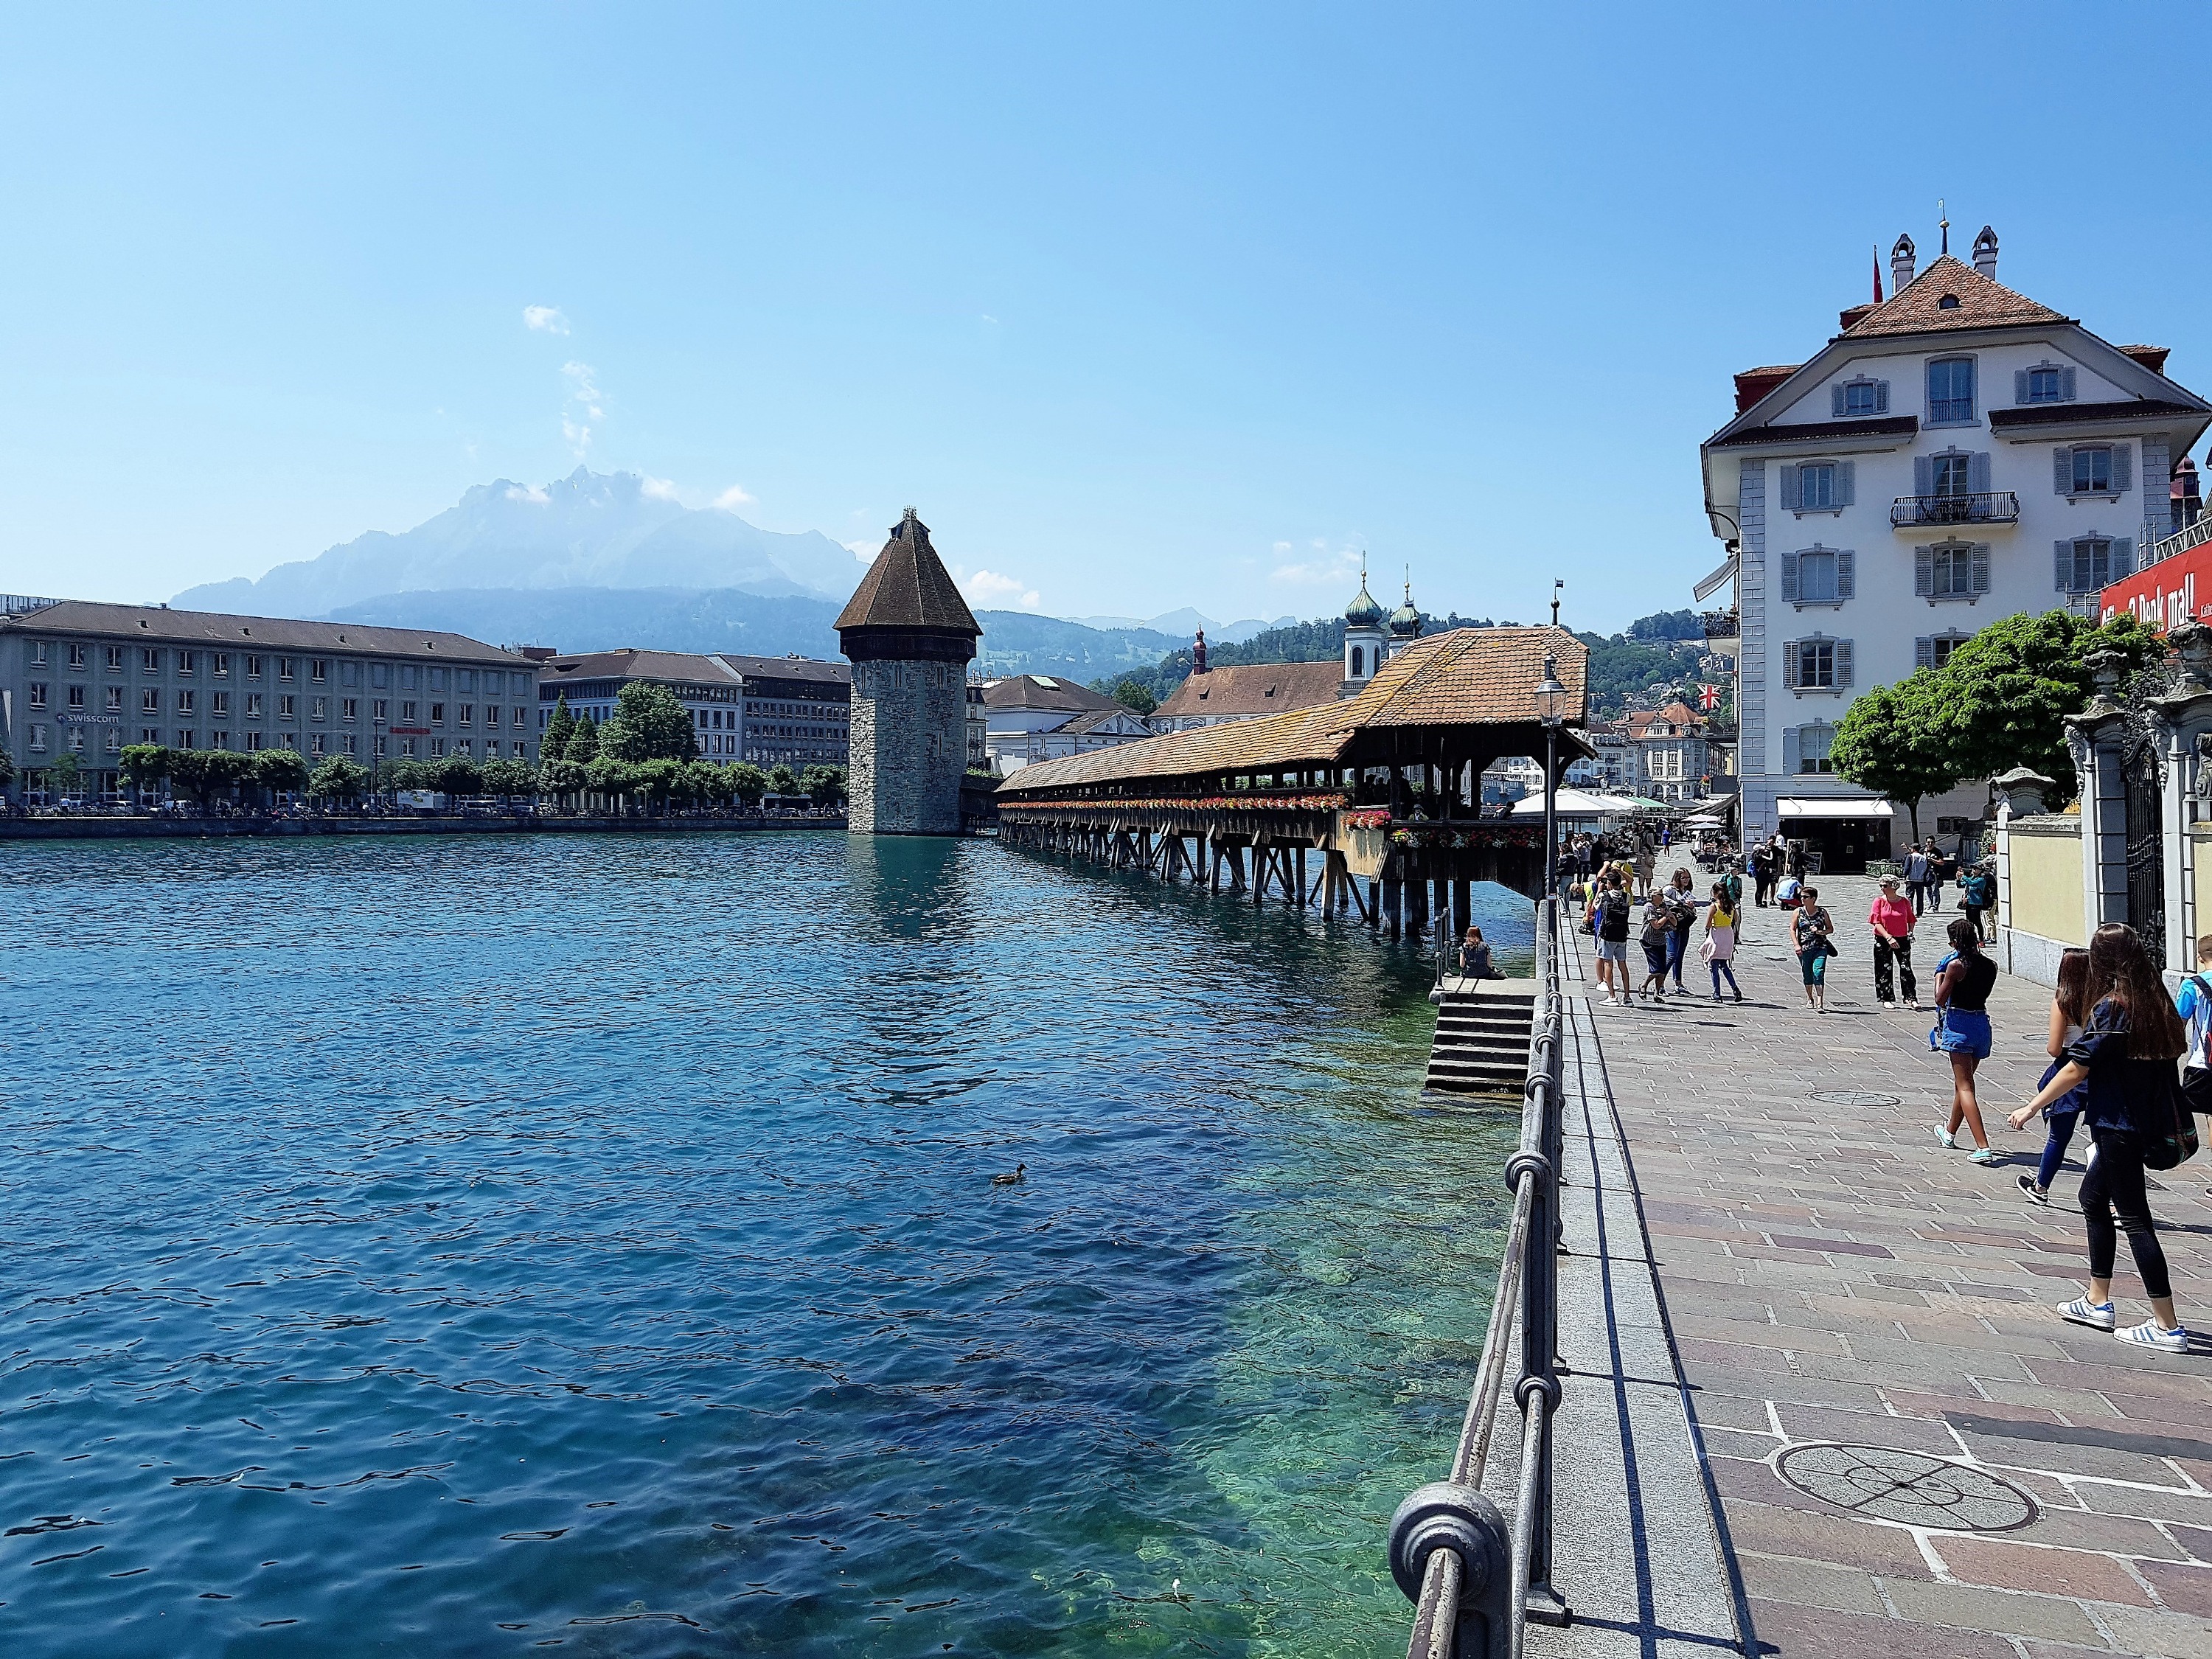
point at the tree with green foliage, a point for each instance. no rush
(280, 771)
(554, 746)
(1133, 695)
(748, 783)
(650, 722)
(7, 770)
(66, 775)
(583, 744)
(207, 773)
(2004, 695)
(144, 764)
(826, 784)
(340, 778)
(1892, 742)
(615, 780)
(564, 780)
(657, 780)
(458, 775)
(782, 780)
(507, 779)
(404, 776)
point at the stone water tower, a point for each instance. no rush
(910, 637)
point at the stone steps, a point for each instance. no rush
(1481, 1045)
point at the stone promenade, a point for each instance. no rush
(1915, 1458)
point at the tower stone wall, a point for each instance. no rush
(910, 637)
(909, 747)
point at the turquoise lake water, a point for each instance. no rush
(457, 1246)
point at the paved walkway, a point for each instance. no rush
(1833, 1279)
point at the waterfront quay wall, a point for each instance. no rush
(97, 828)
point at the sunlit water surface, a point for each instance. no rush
(468, 1247)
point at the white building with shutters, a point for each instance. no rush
(1953, 455)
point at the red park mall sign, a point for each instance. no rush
(2166, 594)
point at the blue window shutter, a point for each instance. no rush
(1978, 570)
(1789, 662)
(2020, 385)
(1789, 489)
(2124, 557)
(2124, 466)
(1923, 652)
(1923, 572)
(1836, 391)
(1881, 397)
(2063, 566)
(1977, 473)
(1842, 662)
(1923, 476)
(1790, 575)
(2067, 390)
(1847, 474)
(1846, 559)
(1790, 749)
(2062, 470)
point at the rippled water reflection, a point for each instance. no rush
(445, 1247)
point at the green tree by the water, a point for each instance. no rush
(650, 722)
(1892, 742)
(583, 746)
(554, 746)
(339, 778)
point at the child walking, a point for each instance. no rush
(1718, 948)
(2069, 1012)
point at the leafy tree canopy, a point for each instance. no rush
(2003, 694)
(826, 784)
(1667, 625)
(782, 780)
(555, 744)
(650, 722)
(1892, 742)
(748, 782)
(458, 775)
(509, 777)
(339, 778)
(1134, 695)
(583, 744)
(143, 763)
(280, 769)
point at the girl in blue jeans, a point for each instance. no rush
(2069, 1012)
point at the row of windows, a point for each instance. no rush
(255, 705)
(1952, 391)
(252, 741)
(2077, 470)
(253, 665)
(1954, 570)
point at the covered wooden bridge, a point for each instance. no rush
(1369, 806)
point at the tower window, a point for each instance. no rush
(1358, 661)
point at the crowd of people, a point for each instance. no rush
(2128, 1062)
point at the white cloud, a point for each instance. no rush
(864, 551)
(1338, 566)
(517, 493)
(545, 319)
(987, 586)
(661, 489)
(733, 498)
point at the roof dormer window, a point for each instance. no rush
(1948, 302)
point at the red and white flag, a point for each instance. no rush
(1709, 697)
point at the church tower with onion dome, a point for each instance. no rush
(1364, 640)
(910, 637)
(1404, 623)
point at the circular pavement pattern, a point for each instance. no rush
(1910, 1487)
(1855, 1097)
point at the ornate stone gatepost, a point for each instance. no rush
(2095, 741)
(2181, 720)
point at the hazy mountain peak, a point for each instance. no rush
(588, 530)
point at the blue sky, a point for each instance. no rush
(1143, 308)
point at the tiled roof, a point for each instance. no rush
(690, 668)
(2087, 414)
(1983, 302)
(1254, 688)
(1091, 721)
(1817, 432)
(1041, 691)
(211, 628)
(908, 587)
(1468, 677)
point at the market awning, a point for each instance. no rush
(1835, 807)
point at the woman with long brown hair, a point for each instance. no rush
(2126, 1054)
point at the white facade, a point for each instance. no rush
(1955, 456)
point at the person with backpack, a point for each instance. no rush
(1977, 891)
(1609, 927)
(2196, 1007)
(2069, 1011)
(2125, 1056)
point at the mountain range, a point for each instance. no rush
(597, 561)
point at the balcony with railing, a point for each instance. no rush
(1721, 625)
(1982, 506)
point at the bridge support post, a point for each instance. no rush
(1463, 909)
(1393, 900)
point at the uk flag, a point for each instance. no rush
(1709, 697)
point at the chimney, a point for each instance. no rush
(1985, 253)
(1901, 262)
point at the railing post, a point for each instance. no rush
(1540, 1326)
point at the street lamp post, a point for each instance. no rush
(375, 754)
(1550, 701)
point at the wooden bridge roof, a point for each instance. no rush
(1459, 692)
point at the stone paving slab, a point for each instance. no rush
(1833, 1277)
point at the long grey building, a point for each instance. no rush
(772, 711)
(83, 678)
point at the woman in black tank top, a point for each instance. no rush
(1962, 1031)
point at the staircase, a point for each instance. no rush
(1483, 1028)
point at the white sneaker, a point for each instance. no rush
(1946, 1140)
(2097, 1315)
(2151, 1334)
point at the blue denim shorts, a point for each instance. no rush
(1961, 1031)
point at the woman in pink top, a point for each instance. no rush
(1892, 920)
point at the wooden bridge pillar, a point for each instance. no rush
(1463, 909)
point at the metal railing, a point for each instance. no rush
(1476, 1582)
(2189, 536)
(1983, 506)
(21, 605)
(1722, 624)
